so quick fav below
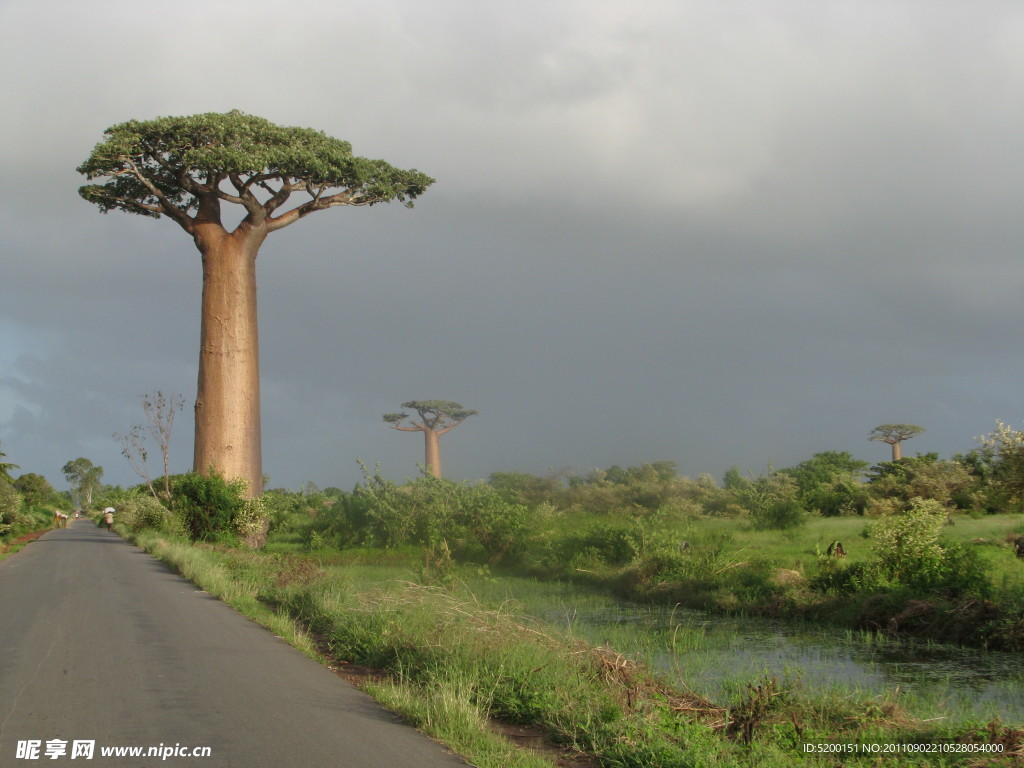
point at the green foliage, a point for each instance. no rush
(706, 564)
(16, 516)
(839, 577)
(164, 166)
(922, 477)
(999, 467)
(907, 546)
(288, 511)
(435, 414)
(474, 520)
(138, 509)
(909, 551)
(659, 472)
(825, 468)
(829, 483)
(252, 522)
(83, 479)
(773, 502)
(523, 488)
(601, 543)
(6, 467)
(642, 490)
(208, 504)
(10, 507)
(734, 480)
(721, 502)
(35, 490)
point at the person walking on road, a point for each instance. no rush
(108, 518)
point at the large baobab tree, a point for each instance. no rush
(436, 418)
(894, 434)
(186, 168)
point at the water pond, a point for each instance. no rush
(716, 656)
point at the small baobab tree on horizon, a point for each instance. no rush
(894, 434)
(435, 418)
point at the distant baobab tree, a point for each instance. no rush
(894, 434)
(436, 418)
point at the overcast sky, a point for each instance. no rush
(715, 232)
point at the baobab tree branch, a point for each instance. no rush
(277, 196)
(300, 212)
(156, 209)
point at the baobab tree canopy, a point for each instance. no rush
(168, 166)
(185, 168)
(434, 414)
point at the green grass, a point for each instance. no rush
(797, 549)
(455, 659)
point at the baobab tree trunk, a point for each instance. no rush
(228, 393)
(433, 441)
(897, 452)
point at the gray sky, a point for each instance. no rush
(715, 232)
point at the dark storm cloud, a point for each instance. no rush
(711, 233)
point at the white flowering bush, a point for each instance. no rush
(252, 522)
(1002, 454)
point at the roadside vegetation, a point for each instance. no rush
(27, 503)
(479, 676)
(390, 585)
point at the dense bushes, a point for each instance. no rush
(10, 507)
(138, 510)
(601, 543)
(208, 504)
(474, 521)
(773, 502)
(16, 515)
(908, 554)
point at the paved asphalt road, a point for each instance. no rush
(100, 642)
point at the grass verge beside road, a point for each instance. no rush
(455, 668)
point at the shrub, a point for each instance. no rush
(707, 555)
(208, 504)
(141, 510)
(837, 577)
(475, 521)
(908, 552)
(252, 522)
(773, 502)
(339, 525)
(10, 507)
(602, 543)
(35, 490)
